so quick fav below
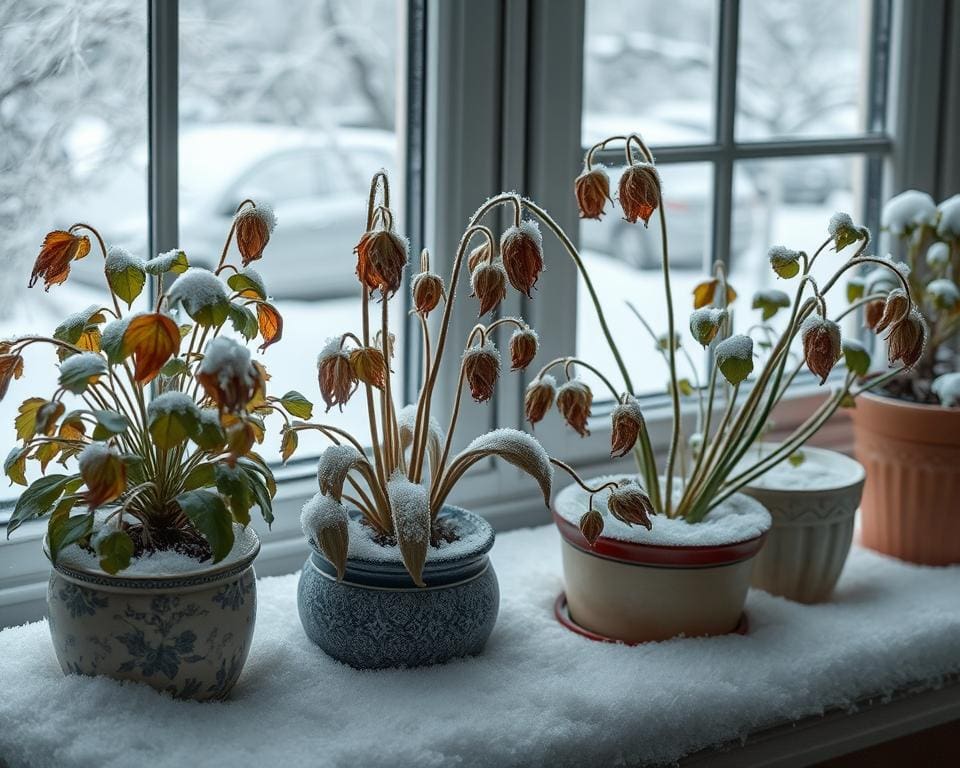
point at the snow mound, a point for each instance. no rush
(908, 210)
(949, 225)
(820, 470)
(319, 512)
(197, 288)
(839, 221)
(539, 694)
(740, 518)
(410, 504)
(173, 402)
(228, 360)
(118, 259)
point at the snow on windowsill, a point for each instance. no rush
(538, 695)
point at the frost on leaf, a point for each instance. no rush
(410, 504)
(324, 523)
(512, 445)
(735, 358)
(202, 295)
(334, 465)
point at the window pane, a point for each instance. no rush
(650, 64)
(73, 116)
(797, 198)
(624, 263)
(803, 68)
(296, 109)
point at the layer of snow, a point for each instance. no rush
(320, 512)
(740, 518)
(410, 504)
(539, 695)
(908, 210)
(839, 221)
(159, 564)
(949, 225)
(363, 547)
(173, 402)
(819, 471)
(228, 360)
(118, 259)
(197, 288)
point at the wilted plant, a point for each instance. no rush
(400, 485)
(930, 234)
(747, 377)
(172, 468)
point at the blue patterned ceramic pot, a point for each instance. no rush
(186, 634)
(376, 617)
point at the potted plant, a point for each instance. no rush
(907, 432)
(661, 553)
(154, 421)
(397, 576)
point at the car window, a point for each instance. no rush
(290, 176)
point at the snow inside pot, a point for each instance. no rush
(637, 585)
(376, 617)
(812, 504)
(177, 625)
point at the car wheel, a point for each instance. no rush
(631, 247)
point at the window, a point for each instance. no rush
(765, 118)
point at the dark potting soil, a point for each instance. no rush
(183, 542)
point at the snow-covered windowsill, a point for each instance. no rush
(539, 695)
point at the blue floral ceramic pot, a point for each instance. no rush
(377, 617)
(186, 634)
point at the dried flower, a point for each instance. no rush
(103, 472)
(705, 323)
(254, 226)
(843, 231)
(489, 284)
(592, 189)
(627, 421)
(427, 290)
(872, 313)
(228, 375)
(521, 249)
(381, 259)
(821, 345)
(524, 344)
(784, 261)
(369, 366)
(907, 339)
(538, 399)
(894, 310)
(591, 525)
(481, 368)
(336, 375)
(58, 250)
(639, 192)
(631, 505)
(574, 399)
(478, 255)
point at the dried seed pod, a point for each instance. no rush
(524, 344)
(521, 249)
(627, 421)
(872, 313)
(254, 225)
(591, 525)
(369, 366)
(631, 505)
(639, 192)
(574, 400)
(335, 374)
(381, 259)
(907, 339)
(894, 309)
(539, 397)
(592, 189)
(427, 290)
(489, 284)
(481, 368)
(478, 255)
(821, 345)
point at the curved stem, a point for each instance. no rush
(573, 473)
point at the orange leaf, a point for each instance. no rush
(152, 339)
(703, 293)
(271, 324)
(58, 250)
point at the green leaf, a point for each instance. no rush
(232, 483)
(109, 423)
(297, 405)
(855, 289)
(115, 550)
(248, 284)
(126, 279)
(796, 458)
(856, 357)
(211, 315)
(770, 301)
(111, 343)
(71, 329)
(210, 435)
(15, 465)
(40, 497)
(77, 372)
(172, 261)
(175, 366)
(735, 358)
(261, 493)
(244, 321)
(686, 388)
(201, 476)
(170, 428)
(209, 515)
(64, 530)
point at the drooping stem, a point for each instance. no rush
(573, 473)
(230, 234)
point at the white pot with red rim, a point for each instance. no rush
(632, 585)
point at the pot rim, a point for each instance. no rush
(675, 556)
(858, 478)
(896, 402)
(204, 575)
(434, 557)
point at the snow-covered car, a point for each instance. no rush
(316, 181)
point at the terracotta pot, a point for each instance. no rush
(912, 456)
(637, 593)
(812, 526)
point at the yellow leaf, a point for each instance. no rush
(271, 324)
(152, 339)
